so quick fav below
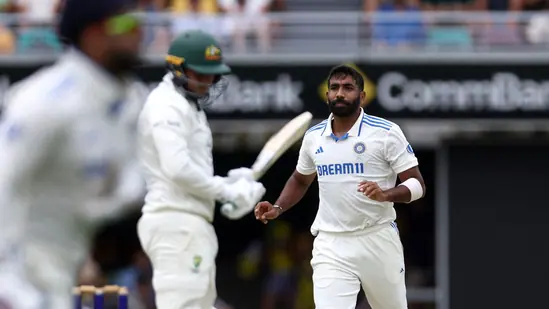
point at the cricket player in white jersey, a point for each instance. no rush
(175, 147)
(65, 144)
(357, 158)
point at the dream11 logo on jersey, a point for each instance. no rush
(505, 92)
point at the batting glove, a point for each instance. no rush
(241, 199)
(240, 173)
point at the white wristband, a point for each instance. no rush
(415, 187)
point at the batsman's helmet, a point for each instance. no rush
(200, 52)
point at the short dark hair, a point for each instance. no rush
(344, 71)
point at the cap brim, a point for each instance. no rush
(219, 69)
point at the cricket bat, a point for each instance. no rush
(276, 146)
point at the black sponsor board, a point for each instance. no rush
(423, 91)
(498, 237)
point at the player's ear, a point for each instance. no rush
(362, 98)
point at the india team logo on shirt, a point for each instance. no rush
(360, 147)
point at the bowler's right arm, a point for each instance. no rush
(295, 188)
(300, 180)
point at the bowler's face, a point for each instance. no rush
(343, 94)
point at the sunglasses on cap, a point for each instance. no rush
(122, 24)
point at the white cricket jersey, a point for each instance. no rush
(175, 150)
(374, 149)
(65, 158)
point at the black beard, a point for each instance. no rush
(122, 63)
(344, 111)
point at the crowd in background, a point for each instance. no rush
(481, 32)
(236, 21)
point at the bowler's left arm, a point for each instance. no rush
(402, 159)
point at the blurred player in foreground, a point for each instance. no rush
(357, 158)
(175, 148)
(65, 141)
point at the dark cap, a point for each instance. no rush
(79, 14)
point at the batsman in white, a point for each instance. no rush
(175, 149)
(66, 145)
(357, 158)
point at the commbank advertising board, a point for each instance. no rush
(424, 91)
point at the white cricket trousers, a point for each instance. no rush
(373, 258)
(182, 248)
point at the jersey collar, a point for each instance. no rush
(168, 80)
(354, 131)
(108, 89)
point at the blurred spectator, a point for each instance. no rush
(448, 5)
(277, 293)
(8, 6)
(39, 11)
(145, 289)
(36, 31)
(499, 31)
(499, 5)
(249, 261)
(137, 278)
(159, 37)
(289, 285)
(532, 5)
(394, 31)
(90, 274)
(247, 17)
(129, 276)
(537, 28)
(198, 14)
(157, 30)
(499, 34)
(7, 38)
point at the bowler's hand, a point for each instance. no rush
(373, 191)
(264, 211)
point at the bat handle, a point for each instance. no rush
(227, 208)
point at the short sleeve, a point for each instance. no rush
(398, 152)
(305, 164)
